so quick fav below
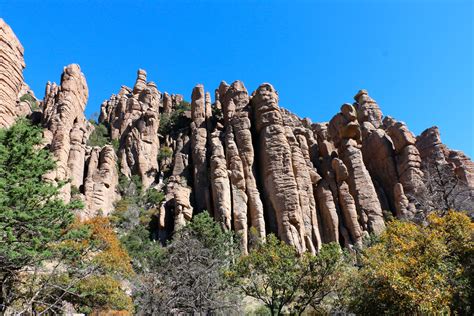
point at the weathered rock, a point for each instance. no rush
(221, 194)
(140, 83)
(344, 125)
(367, 109)
(347, 203)
(432, 150)
(236, 112)
(407, 156)
(362, 188)
(281, 190)
(305, 192)
(66, 126)
(199, 150)
(309, 178)
(132, 118)
(100, 185)
(327, 210)
(380, 160)
(402, 204)
(11, 75)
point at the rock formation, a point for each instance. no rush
(279, 182)
(66, 128)
(132, 118)
(255, 167)
(101, 180)
(11, 75)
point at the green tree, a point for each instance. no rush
(189, 277)
(47, 257)
(418, 269)
(99, 136)
(278, 276)
(31, 213)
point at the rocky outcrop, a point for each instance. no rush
(101, 181)
(432, 150)
(199, 150)
(256, 167)
(132, 117)
(280, 187)
(347, 203)
(241, 156)
(66, 128)
(367, 109)
(221, 193)
(345, 131)
(11, 75)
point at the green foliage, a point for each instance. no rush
(74, 190)
(276, 275)
(31, 213)
(146, 254)
(102, 293)
(175, 120)
(208, 232)
(45, 256)
(31, 100)
(154, 197)
(99, 137)
(417, 269)
(165, 153)
(188, 277)
(131, 187)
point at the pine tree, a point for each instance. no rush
(31, 213)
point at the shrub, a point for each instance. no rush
(31, 101)
(279, 277)
(165, 153)
(99, 137)
(417, 269)
(154, 197)
(175, 120)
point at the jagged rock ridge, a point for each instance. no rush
(256, 167)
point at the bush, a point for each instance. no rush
(31, 101)
(154, 197)
(279, 277)
(417, 269)
(99, 137)
(32, 214)
(175, 120)
(188, 279)
(165, 153)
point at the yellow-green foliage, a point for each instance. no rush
(103, 291)
(418, 269)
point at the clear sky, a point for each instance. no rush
(415, 58)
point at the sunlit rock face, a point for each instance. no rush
(254, 166)
(11, 75)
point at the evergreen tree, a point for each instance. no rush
(31, 213)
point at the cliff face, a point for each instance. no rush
(256, 167)
(11, 75)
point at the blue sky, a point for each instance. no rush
(415, 58)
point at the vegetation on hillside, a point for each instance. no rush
(48, 257)
(175, 120)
